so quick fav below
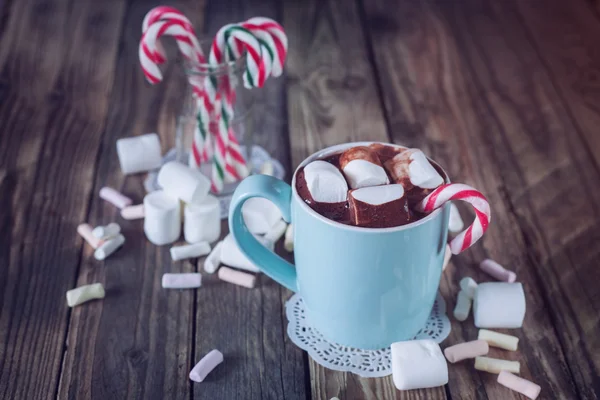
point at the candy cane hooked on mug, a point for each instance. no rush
(459, 191)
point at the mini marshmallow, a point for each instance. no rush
(237, 277)
(85, 231)
(183, 182)
(362, 167)
(182, 281)
(499, 305)
(497, 271)
(233, 256)
(288, 242)
(462, 351)
(202, 222)
(109, 247)
(267, 168)
(463, 306)
(381, 206)
(206, 365)
(139, 153)
(276, 232)
(214, 259)
(447, 257)
(133, 212)
(469, 286)
(518, 384)
(108, 231)
(325, 182)
(495, 365)
(162, 221)
(85, 293)
(412, 168)
(500, 340)
(455, 224)
(195, 250)
(114, 197)
(260, 215)
(418, 364)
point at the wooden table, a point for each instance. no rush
(504, 94)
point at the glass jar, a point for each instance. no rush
(228, 79)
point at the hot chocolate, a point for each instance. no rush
(375, 186)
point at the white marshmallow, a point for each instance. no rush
(418, 364)
(204, 366)
(288, 243)
(85, 293)
(276, 232)
(499, 305)
(184, 183)
(182, 281)
(139, 153)
(267, 169)
(362, 173)
(325, 182)
(85, 230)
(237, 277)
(211, 264)
(463, 306)
(233, 256)
(109, 247)
(469, 286)
(260, 215)
(500, 340)
(495, 365)
(202, 222)
(133, 212)
(162, 221)
(412, 168)
(199, 249)
(455, 224)
(108, 231)
(115, 197)
(377, 195)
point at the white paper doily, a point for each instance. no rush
(366, 363)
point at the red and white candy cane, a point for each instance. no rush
(164, 13)
(459, 191)
(278, 36)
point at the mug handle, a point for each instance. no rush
(279, 193)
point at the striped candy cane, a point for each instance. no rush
(459, 191)
(278, 36)
(164, 13)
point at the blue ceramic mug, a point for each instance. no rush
(362, 287)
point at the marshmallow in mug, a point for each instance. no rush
(202, 221)
(381, 206)
(499, 305)
(139, 153)
(260, 215)
(325, 182)
(362, 167)
(183, 182)
(411, 168)
(418, 364)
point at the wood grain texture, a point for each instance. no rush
(249, 325)
(465, 70)
(54, 101)
(138, 341)
(333, 98)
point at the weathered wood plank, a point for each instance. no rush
(249, 326)
(41, 128)
(137, 342)
(333, 98)
(465, 70)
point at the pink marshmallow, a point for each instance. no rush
(115, 197)
(207, 364)
(85, 231)
(133, 212)
(237, 277)
(498, 271)
(466, 350)
(518, 384)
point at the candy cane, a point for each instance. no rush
(278, 36)
(459, 191)
(164, 13)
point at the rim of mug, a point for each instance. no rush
(335, 149)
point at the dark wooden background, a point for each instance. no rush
(504, 94)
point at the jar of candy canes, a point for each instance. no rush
(214, 129)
